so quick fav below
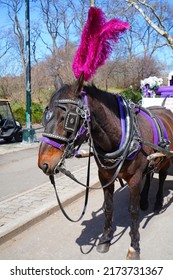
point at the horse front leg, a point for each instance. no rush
(104, 242)
(134, 250)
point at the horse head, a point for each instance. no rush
(64, 120)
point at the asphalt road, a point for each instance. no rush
(19, 172)
(57, 238)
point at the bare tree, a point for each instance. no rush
(58, 31)
(35, 36)
(18, 41)
(80, 11)
(5, 45)
(58, 20)
(156, 18)
(50, 12)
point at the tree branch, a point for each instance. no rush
(162, 31)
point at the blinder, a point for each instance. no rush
(72, 118)
(71, 121)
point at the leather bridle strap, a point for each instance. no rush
(51, 177)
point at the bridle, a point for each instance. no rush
(76, 122)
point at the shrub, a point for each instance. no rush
(130, 94)
(37, 113)
(19, 114)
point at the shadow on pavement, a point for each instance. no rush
(93, 228)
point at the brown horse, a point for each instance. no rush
(76, 111)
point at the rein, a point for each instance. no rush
(52, 180)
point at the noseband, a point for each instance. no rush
(71, 124)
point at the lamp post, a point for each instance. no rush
(28, 132)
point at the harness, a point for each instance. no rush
(159, 130)
(77, 122)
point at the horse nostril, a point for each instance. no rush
(45, 167)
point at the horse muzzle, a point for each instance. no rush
(48, 158)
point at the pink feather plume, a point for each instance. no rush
(95, 46)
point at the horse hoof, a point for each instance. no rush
(132, 254)
(103, 247)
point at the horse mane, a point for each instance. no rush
(102, 96)
(95, 46)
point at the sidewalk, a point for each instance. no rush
(14, 147)
(24, 210)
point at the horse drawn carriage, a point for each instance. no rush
(154, 94)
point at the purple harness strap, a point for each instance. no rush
(86, 104)
(123, 128)
(156, 138)
(123, 121)
(51, 142)
(154, 128)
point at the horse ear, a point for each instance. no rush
(80, 83)
(58, 83)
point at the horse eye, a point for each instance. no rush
(46, 116)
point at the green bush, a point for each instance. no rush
(20, 113)
(131, 94)
(37, 113)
